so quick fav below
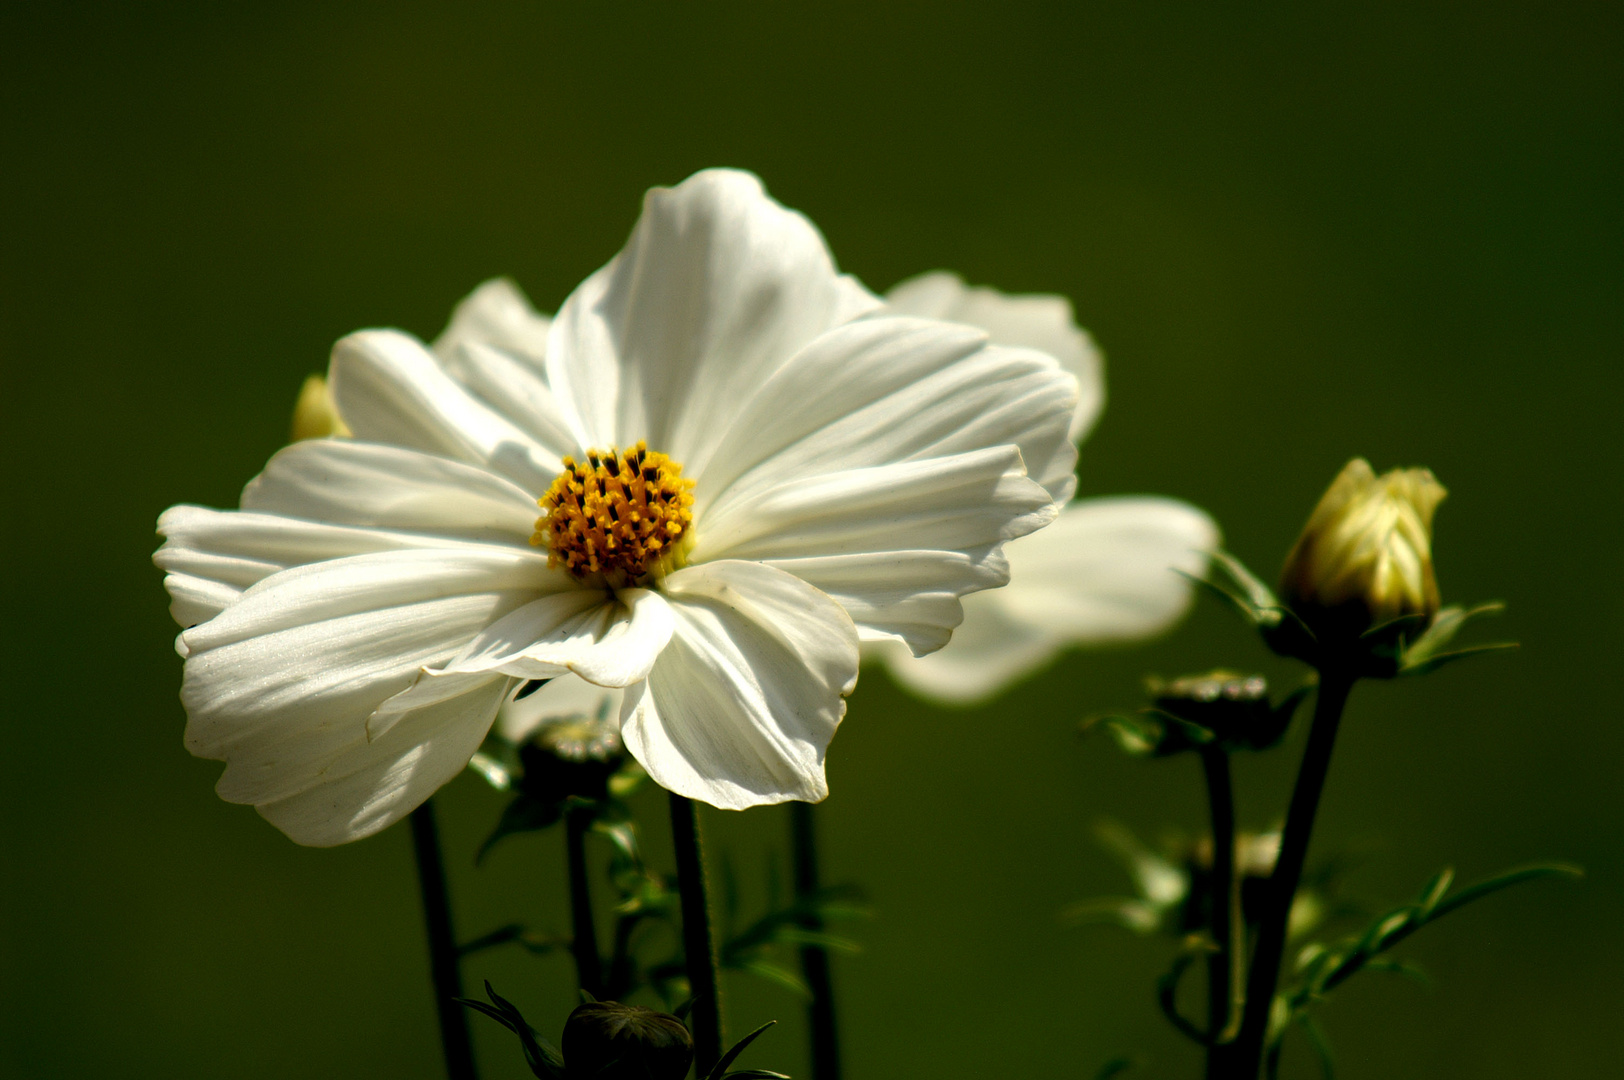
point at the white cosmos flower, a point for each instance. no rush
(823, 472)
(1106, 571)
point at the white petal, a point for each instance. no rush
(1109, 569)
(196, 599)
(890, 389)
(390, 389)
(373, 785)
(922, 532)
(909, 597)
(510, 386)
(279, 707)
(967, 502)
(716, 288)
(563, 697)
(607, 640)
(743, 702)
(212, 555)
(1035, 321)
(497, 313)
(387, 487)
(369, 583)
(988, 652)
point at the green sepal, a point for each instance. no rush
(521, 815)
(1150, 732)
(534, 942)
(539, 1054)
(1427, 652)
(721, 1069)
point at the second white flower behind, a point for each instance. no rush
(1109, 570)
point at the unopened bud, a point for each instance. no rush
(605, 1040)
(1365, 557)
(315, 416)
(1234, 707)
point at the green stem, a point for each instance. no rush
(443, 962)
(1226, 988)
(584, 934)
(1247, 1050)
(698, 946)
(820, 1011)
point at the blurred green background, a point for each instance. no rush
(1301, 232)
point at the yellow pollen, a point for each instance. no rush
(618, 518)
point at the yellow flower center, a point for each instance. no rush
(618, 518)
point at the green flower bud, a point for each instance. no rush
(1365, 557)
(575, 757)
(1226, 707)
(315, 416)
(605, 1040)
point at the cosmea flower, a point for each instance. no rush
(722, 467)
(1106, 571)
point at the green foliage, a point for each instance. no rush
(1322, 968)
(545, 1061)
(543, 1058)
(1407, 645)
(1217, 709)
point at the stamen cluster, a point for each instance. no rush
(617, 516)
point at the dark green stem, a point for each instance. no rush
(443, 965)
(1245, 1056)
(1226, 986)
(698, 946)
(584, 934)
(820, 1011)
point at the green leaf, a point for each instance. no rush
(544, 1061)
(1131, 914)
(1514, 876)
(1258, 595)
(1321, 1045)
(1434, 891)
(738, 1048)
(1438, 660)
(521, 815)
(1167, 988)
(1116, 1067)
(776, 973)
(1229, 598)
(1401, 967)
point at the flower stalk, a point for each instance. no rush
(1226, 986)
(1243, 1058)
(698, 943)
(820, 1011)
(583, 932)
(444, 968)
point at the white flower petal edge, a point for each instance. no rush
(606, 640)
(1040, 321)
(1107, 570)
(716, 288)
(741, 706)
(498, 315)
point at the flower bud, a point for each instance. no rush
(315, 416)
(605, 1040)
(1365, 557)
